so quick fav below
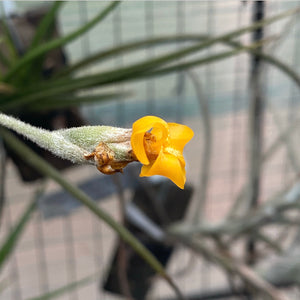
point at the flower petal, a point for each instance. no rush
(166, 165)
(139, 128)
(179, 135)
(160, 131)
(137, 144)
(146, 123)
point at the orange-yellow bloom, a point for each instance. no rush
(158, 145)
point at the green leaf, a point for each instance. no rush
(275, 62)
(209, 41)
(65, 289)
(204, 60)
(55, 88)
(126, 74)
(33, 70)
(3, 59)
(133, 72)
(132, 46)
(69, 100)
(45, 24)
(43, 167)
(7, 39)
(44, 48)
(12, 238)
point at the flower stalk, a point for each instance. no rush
(75, 144)
(158, 145)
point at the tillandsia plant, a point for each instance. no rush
(22, 86)
(158, 145)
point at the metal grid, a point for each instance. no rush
(58, 250)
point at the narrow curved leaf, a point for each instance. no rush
(65, 289)
(46, 23)
(12, 238)
(69, 100)
(42, 49)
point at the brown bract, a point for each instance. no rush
(106, 161)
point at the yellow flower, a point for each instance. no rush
(158, 145)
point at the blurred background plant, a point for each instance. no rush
(41, 85)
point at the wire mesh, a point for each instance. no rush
(68, 244)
